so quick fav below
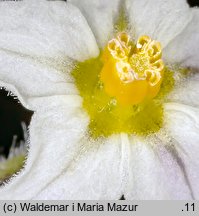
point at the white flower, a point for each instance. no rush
(39, 40)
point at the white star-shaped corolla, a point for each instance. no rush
(39, 43)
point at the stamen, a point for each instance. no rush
(132, 73)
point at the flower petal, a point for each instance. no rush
(161, 20)
(37, 42)
(154, 173)
(184, 48)
(100, 15)
(183, 125)
(56, 131)
(46, 29)
(78, 168)
(187, 92)
(92, 173)
(28, 79)
(96, 174)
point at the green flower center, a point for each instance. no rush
(107, 115)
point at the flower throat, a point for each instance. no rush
(123, 88)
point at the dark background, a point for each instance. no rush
(193, 3)
(13, 113)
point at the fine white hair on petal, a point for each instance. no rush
(96, 174)
(182, 123)
(52, 102)
(100, 15)
(187, 92)
(10, 88)
(46, 29)
(162, 20)
(184, 48)
(55, 135)
(154, 173)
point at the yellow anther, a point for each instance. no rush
(125, 71)
(152, 77)
(120, 47)
(130, 73)
(158, 65)
(142, 43)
